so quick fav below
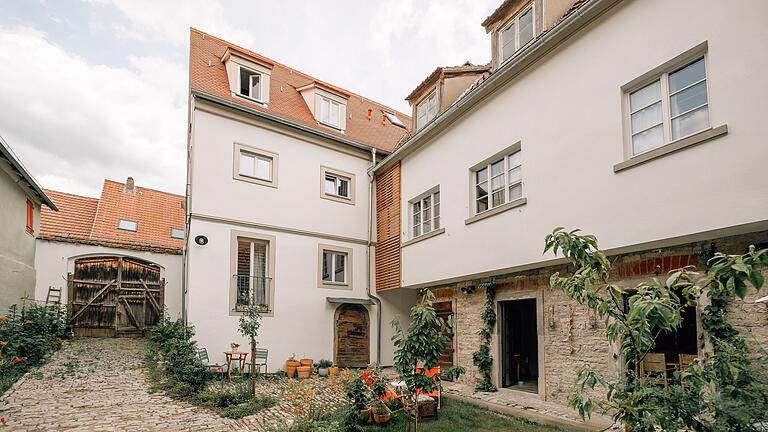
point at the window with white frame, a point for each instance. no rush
(517, 33)
(330, 112)
(255, 166)
(425, 213)
(177, 233)
(498, 182)
(127, 225)
(336, 185)
(426, 110)
(672, 106)
(334, 269)
(252, 279)
(250, 83)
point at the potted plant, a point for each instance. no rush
(290, 365)
(322, 367)
(381, 412)
(307, 362)
(304, 371)
(234, 346)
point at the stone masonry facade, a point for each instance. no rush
(569, 334)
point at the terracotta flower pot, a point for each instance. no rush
(304, 371)
(333, 370)
(290, 367)
(382, 418)
(365, 415)
(307, 362)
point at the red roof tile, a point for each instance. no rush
(94, 221)
(284, 101)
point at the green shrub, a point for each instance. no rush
(182, 366)
(27, 338)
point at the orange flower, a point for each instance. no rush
(3, 343)
(4, 318)
(17, 359)
(28, 322)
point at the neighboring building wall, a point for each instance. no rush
(570, 128)
(17, 246)
(298, 220)
(572, 335)
(54, 260)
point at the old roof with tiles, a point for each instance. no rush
(208, 75)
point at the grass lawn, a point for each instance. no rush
(460, 416)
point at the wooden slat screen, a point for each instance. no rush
(388, 255)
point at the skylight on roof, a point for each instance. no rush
(177, 233)
(393, 119)
(127, 225)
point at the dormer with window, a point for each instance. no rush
(516, 23)
(329, 107)
(248, 78)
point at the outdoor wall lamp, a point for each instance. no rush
(201, 240)
(469, 289)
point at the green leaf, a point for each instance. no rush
(756, 278)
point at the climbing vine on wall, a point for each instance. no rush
(482, 357)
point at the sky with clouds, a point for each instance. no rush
(95, 89)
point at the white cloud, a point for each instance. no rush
(74, 123)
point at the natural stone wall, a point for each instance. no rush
(572, 335)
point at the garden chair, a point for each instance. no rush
(261, 361)
(654, 363)
(202, 354)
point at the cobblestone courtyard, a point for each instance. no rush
(101, 385)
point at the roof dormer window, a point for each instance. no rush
(517, 33)
(330, 112)
(127, 225)
(426, 110)
(250, 84)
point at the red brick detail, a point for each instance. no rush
(444, 294)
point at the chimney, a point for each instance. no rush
(130, 186)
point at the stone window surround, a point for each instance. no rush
(243, 148)
(516, 147)
(347, 285)
(435, 231)
(338, 173)
(270, 270)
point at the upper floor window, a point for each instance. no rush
(177, 233)
(330, 111)
(127, 225)
(255, 165)
(498, 182)
(250, 84)
(672, 106)
(425, 213)
(426, 110)
(517, 33)
(337, 185)
(30, 216)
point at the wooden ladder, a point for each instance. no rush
(54, 296)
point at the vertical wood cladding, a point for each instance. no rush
(388, 254)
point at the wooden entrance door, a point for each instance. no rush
(352, 336)
(444, 310)
(111, 296)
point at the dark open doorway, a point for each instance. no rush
(520, 345)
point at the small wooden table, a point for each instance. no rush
(235, 356)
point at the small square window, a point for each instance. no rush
(250, 84)
(127, 225)
(334, 265)
(177, 233)
(330, 112)
(337, 185)
(255, 165)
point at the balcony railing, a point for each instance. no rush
(252, 291)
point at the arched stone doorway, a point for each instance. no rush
(114, 295)
(351, 336)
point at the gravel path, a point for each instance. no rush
(101, 385)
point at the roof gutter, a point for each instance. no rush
(13, 160)
(273, 118)
(541, 47)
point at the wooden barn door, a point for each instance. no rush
(352, 336)
(112, 296)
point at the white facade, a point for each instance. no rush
(296, 219)
(567, 113)
(55, 260)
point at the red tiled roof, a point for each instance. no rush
(284, 101)
(94, 221)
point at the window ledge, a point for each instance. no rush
(672, 147)
(496, 210)
(338, 198)
(335, 285)
(250, 99)
(424, 237)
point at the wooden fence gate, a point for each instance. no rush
(115, 296)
